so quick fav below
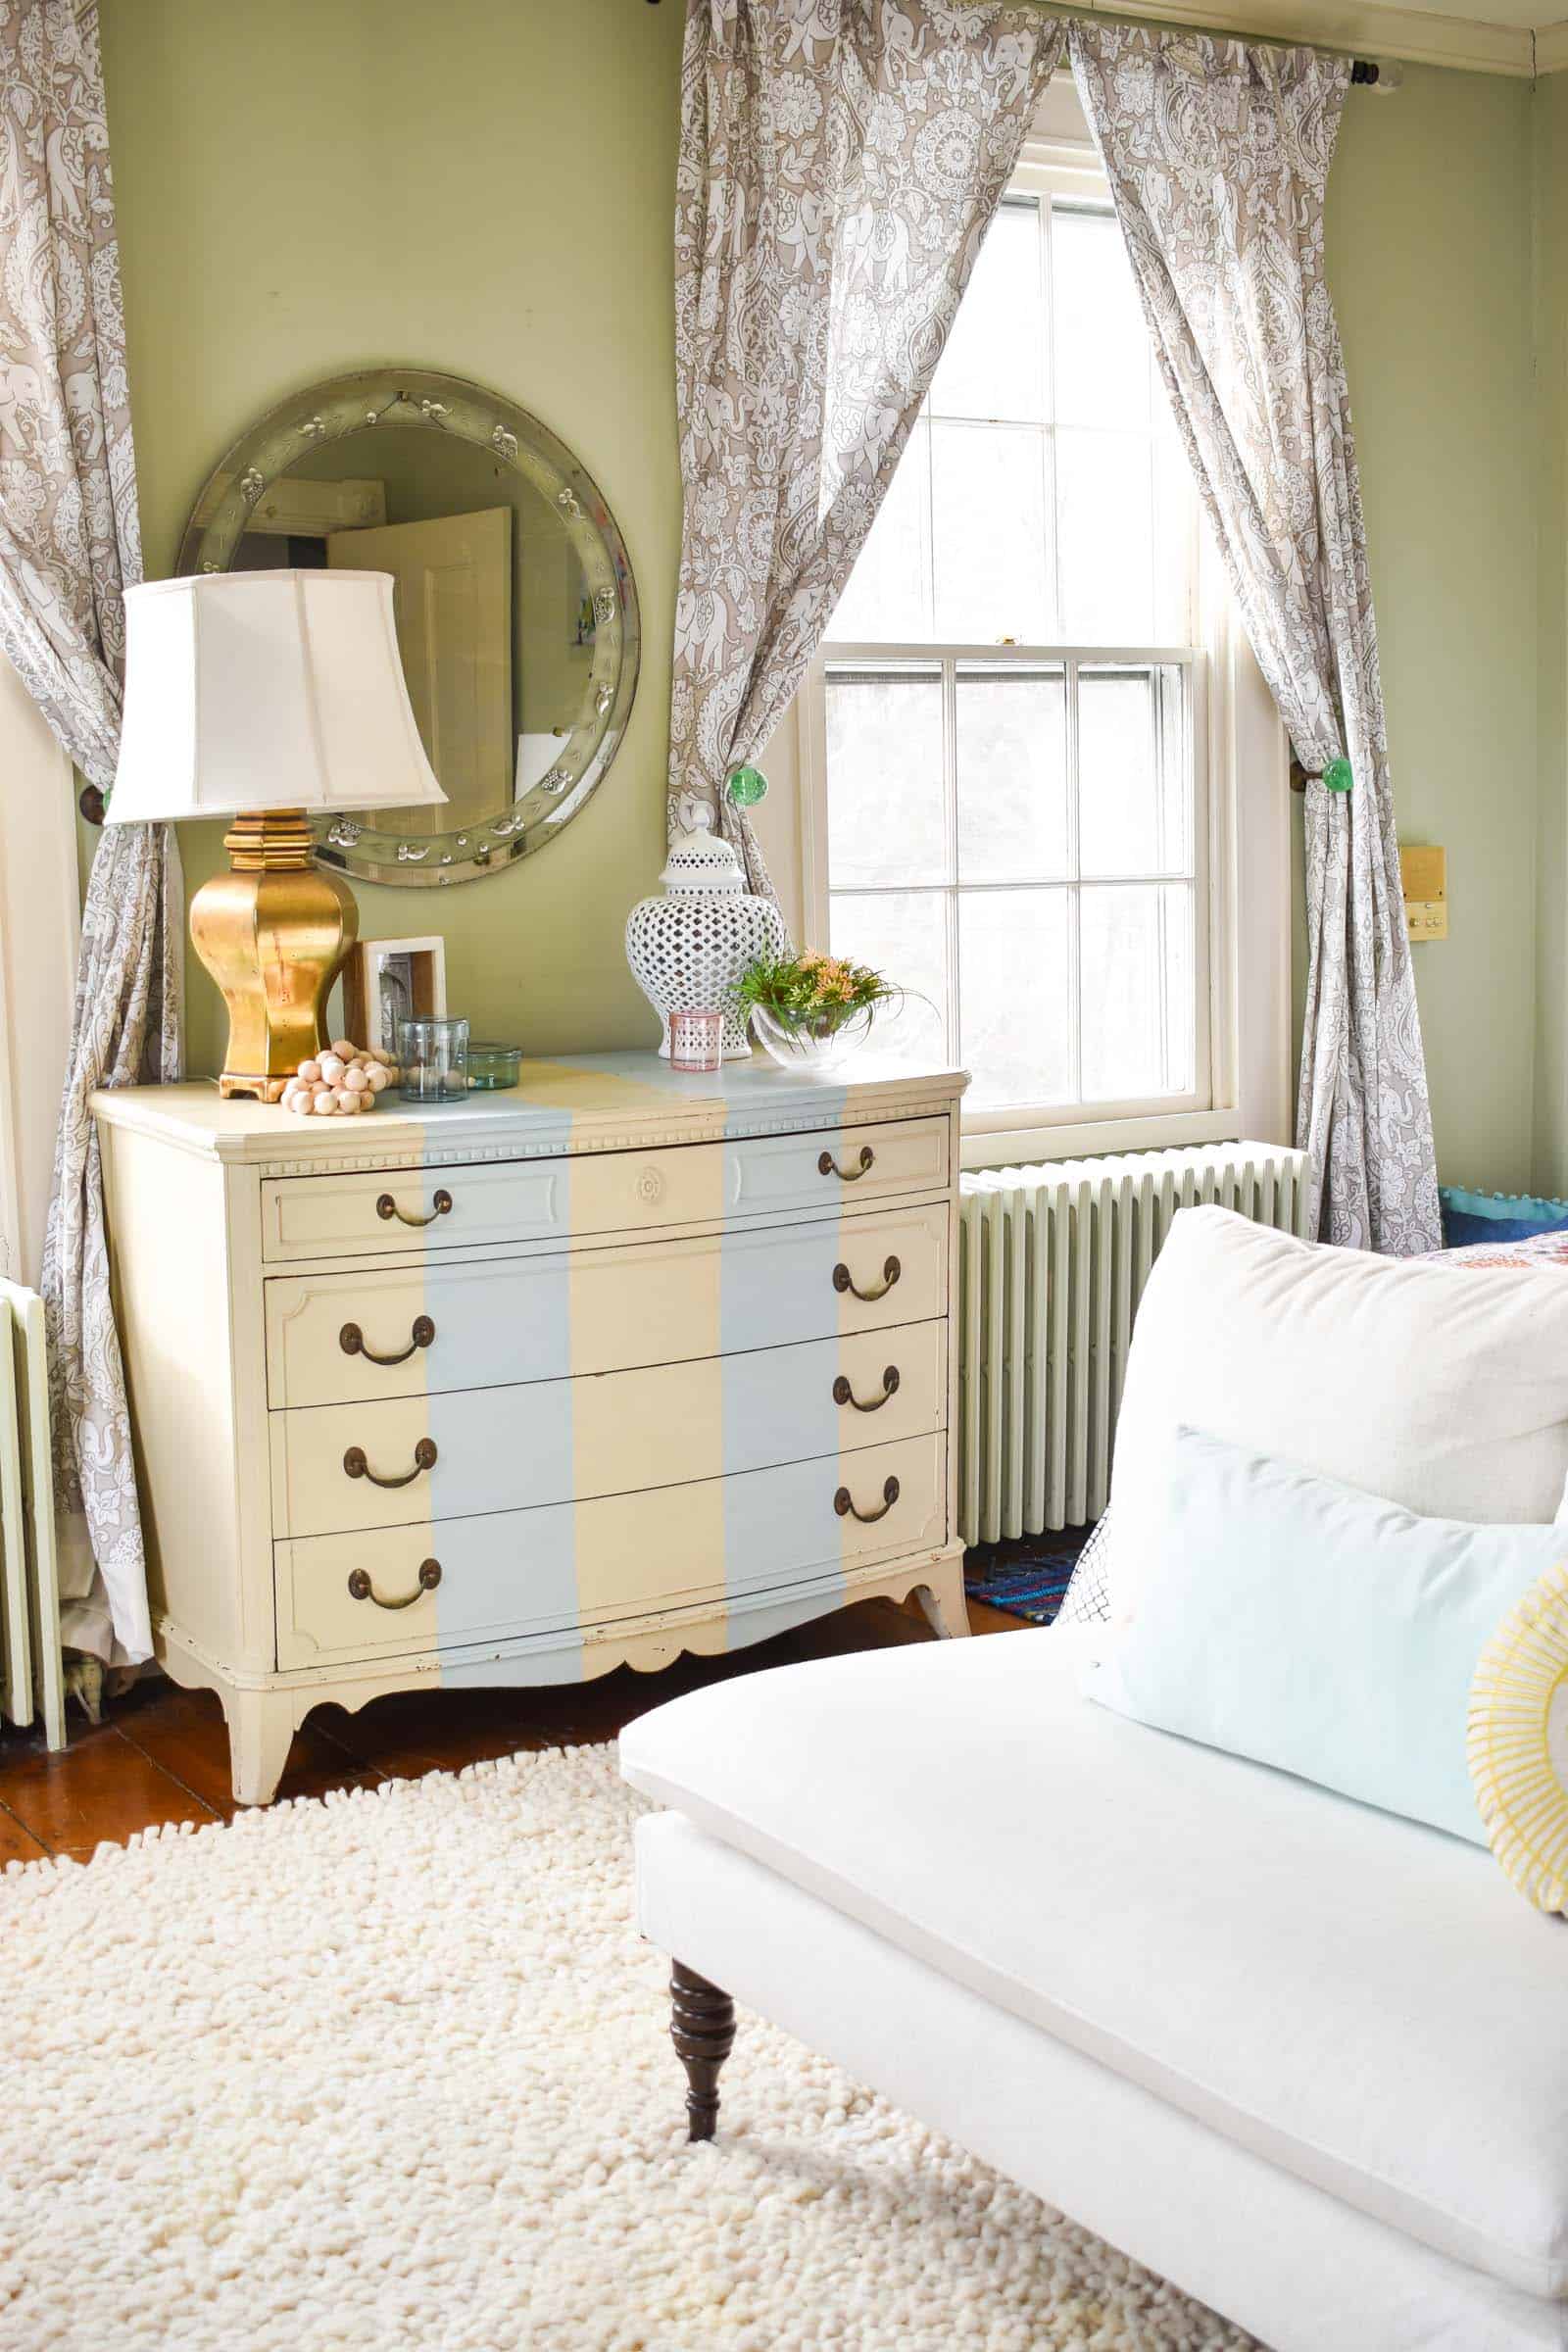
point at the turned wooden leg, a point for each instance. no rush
(702, 2030)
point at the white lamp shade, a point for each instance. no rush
(249, 690)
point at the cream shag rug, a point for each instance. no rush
(392, 2071)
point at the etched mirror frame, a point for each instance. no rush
(433, 403)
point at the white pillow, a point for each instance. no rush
(1320, 1630)
(1440, 1388)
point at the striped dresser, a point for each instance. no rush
(618, 1365)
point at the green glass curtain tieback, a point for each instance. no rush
(1337, 776)
(747, 786)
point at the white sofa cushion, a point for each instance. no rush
(1440, 1388)
(1302, 1623)
(1360, 2000)
(1304, 2272)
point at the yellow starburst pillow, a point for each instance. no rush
(1518, 1742)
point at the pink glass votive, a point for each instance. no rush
(695, 1041)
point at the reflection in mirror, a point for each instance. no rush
(517, 614)
(494, 620)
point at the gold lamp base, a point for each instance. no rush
(274, 932)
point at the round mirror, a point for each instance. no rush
(516, 607)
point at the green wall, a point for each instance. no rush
(316, 184)
(1550, 159)
(489, 189)
(1428, 261)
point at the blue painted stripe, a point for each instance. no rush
(526, 1567)
(758, 1621)
(776, 1284)
(780, 1525)
(531, 1666)
(754, 1283)
(525, 1338)
(486, 1462)
(512, 1571)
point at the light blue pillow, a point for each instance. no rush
(1299, 1622)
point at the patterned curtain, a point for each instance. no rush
(840, 163)
(69, 542)
(1218, 156)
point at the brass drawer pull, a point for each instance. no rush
(827, 1165)
(386, 1206)
(843, 1394)
(843, 1503)
(844, 1280)
(351, 1338)
(355, 1463)
(361, 1587)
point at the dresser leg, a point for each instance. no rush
(942, 1600)
(702, 2030)
(261, 1733)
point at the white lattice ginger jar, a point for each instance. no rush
(689, 948)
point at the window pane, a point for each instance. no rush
(1017, 1017)
(1137, 991)
(1175, 537)
(1021, 858)
(989, 535)
(1135, 789)
(1101, 344)
(1106, 519)
(1013, 774)
(995, 362)
(889, 593)
(905, 935)
(886, 812)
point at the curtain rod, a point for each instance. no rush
(1366, 72)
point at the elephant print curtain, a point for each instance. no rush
(69, 544)
(1218, 155)
(840, 163)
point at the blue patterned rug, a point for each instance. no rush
(1026, 1576)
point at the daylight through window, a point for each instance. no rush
(1006, 709)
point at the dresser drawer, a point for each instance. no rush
(616, 1557)
(470, 1323)
(485, 1204)
(362, 1466)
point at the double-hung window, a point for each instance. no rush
(1007, 794)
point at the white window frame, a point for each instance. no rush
(1242, 932)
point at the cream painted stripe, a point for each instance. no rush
(649, 1552)
(612, 1568)
(909, 1516)
(813, 1246)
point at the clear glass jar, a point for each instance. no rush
(435, 1059)
(492, 1066)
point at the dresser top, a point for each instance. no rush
(564, 1102)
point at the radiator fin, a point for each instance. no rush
(32, 1664)
(1052, 1260)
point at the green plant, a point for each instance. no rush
(813, 995)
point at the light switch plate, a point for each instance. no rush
(1424, 879)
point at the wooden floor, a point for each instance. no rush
(161, 1754)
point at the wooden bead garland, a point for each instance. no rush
(338, 1084)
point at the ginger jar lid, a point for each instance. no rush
(699, 864)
